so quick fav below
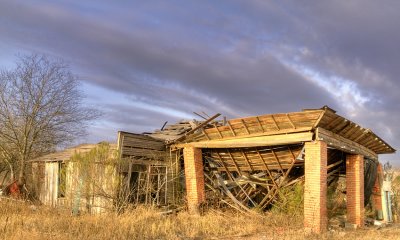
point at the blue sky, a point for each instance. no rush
(146, 62)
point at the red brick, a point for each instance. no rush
(315, 188)
(355, 189)
(377, 194)
(194, 175)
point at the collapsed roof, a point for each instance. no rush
(290, 128)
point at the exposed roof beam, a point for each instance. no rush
(343, 144)
(271, 140)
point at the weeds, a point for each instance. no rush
(19, 220)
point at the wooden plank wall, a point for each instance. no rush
(144, 151)
(140, 146)
(93, 191)
(35, 181)
(49, 189)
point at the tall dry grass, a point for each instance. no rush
(19, 220)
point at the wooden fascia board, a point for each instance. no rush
(269, 133)
(258, 141)
(343, 144)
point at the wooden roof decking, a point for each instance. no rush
(271, 124)
(290, 128)
(256, 159)
(354, 132)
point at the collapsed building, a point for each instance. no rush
(244, 163)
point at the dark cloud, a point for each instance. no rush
(234, 57)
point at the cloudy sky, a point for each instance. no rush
(146, 62)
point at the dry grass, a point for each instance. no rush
(19, 220)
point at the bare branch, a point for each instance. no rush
(40, 109)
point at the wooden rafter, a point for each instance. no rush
(205, 134)
(275, 123)
(346, 128)
(266, 167)
(340, 126)
(219, 132)
(223, 164)
(361, 135)
(349, 134)
(277, 160)
(230, 127)
(344, 144)
(290, 121)
(247, 160)
(335, 122)
(245, 126)
(234, 162)
(259, 123)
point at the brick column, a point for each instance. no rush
(315, 187)
(355, 189)
(194, 177)
(377, 192)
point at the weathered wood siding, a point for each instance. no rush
(42, 181)
(96, 190)
(153, 161)
(92, 189)
(49, 197)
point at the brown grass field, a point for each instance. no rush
(20, 220)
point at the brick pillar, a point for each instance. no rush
(194, 176)
(377, 192)
(355, 189)
(315, 187)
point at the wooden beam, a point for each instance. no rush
(245, 127)
(259, 123)
(277, 160)
(205, 134)
(194, 129)
(319, 118)
(259, 141)
(261, 168)
(290, 121)
(230, 127)
(335, 122)
(362, 135)
(247, 160)
(275, 123)
(234, 162)
(267, 168)
(350, 134)
(343, 144)
(344, 130)
(219, 132)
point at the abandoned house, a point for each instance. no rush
(243, 162)
(73, 179)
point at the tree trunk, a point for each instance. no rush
(21, 173)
